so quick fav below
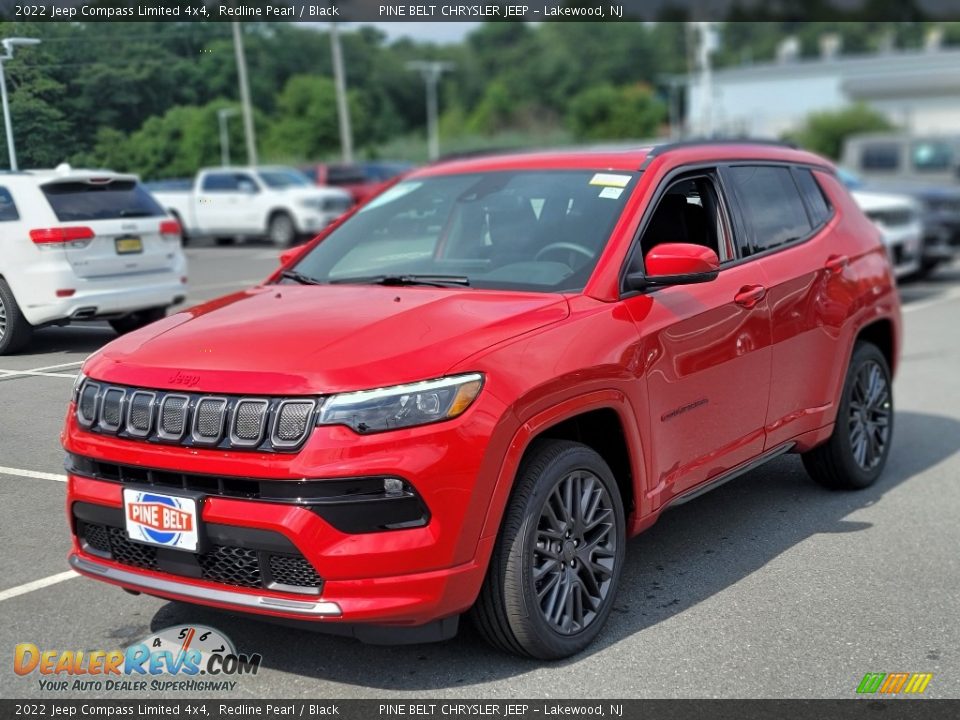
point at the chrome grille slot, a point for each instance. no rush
(248, 422)
(208, 419)
(111, 409)
(140, 413)
(173, 417)
(264, 424)
(292, 421)
(89, 404)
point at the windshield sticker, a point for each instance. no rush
(388, 196)
(611, 192)
(608, 180)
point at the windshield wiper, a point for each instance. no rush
(299, 277)
(396, 280)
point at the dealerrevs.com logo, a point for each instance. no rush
(181, 658)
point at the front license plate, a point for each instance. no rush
(128, 245)
(159, 519)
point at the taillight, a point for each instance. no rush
(52, 237)
(170, 230)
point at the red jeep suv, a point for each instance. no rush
(467, 395)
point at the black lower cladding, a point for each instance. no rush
(351, 505)
(242, 557)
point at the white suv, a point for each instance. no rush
(83, 245)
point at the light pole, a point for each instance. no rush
(223, 114)
(8, 45)
(430, 71)
(340, 83)
(245, 102)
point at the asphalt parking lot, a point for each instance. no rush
(767, 587)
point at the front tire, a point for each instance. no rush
(554, 571)
(281, 230)
(15, 331)
(856, 453)
(137, 320)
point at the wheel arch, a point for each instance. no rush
(603, 420)
(882, 333)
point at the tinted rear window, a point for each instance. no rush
(72, 201)
(8, 209)
(813, 196)
(880, 156)
(771, 204)
(345, 175)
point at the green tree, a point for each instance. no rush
(606, 112)
(306, 126)
(824, 132)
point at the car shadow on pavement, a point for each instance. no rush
(70, 340)
(692, 553)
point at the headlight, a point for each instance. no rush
(402, 406)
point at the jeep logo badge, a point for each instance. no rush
(185, 379)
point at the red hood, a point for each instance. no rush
(300, 340)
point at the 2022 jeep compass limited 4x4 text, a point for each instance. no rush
(469, 393)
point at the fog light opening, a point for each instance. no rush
(393, 487)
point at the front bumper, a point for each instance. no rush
(402, 577)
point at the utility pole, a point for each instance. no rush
(707, 43)
(8, 45)
(340, 82)
(431, 71)
(224, 114)
(245, 103)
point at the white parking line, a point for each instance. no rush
(36, 585)
(32, 474)
(13, 373)
(61, 365)
(42, 371)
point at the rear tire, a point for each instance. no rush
(15, 331)
(856, 453)
(137, 320)
(554, 571)
(281, 230)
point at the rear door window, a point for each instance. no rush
(771, 206)
(8, 208)
(932, 156)
(813, 196)
(75, 201)
(221, 182)
(880, 156)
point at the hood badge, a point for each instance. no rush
(185, 379)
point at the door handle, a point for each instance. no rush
(750, 295)
(836, 263)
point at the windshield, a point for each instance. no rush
(282, 178)
(520, 230)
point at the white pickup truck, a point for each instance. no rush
(276, 202)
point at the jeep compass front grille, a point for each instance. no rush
(193, 419)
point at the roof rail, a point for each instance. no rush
(700, 142)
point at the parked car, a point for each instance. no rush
(927, 168)
(467, 395)
(275, 202)
(899, 219)
(361, 180)
(83, 245)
